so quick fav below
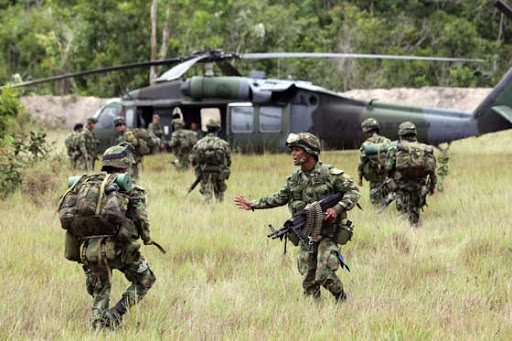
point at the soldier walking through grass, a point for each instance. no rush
(311, 182)
(412, 166)
(105, 215)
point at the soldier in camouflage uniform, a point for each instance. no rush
(76, 148)
(181, 145)
(194, 127)
(312, 182)
(119, 159)
(374, 174)
(126, 135)
(91, 142)
(410, 193)
(443, 167)
(211, 159)
(155, 127)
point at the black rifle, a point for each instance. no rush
(197, 181)
(295, 224)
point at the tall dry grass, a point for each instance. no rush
(222, 279)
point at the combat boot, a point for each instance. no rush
(115, 314)
(340, 297)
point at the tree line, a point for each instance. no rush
(40, 38)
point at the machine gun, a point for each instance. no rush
(299, 219)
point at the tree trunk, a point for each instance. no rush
(152, 71)
(166, 32)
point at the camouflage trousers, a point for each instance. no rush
(98, 286)
(134, 170)
(443, 169)
(182, 162)
(81, 163)
(377, 198)
(212, 183)
(409, 204)
(318, 267)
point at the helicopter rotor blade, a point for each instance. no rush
(352, 56)
(100, 70)
(227, 68)
(180, 69)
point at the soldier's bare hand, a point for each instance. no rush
(360, 183)
(149, 242)
(431, 192)
(242, 203)
(330, 215)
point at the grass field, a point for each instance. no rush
(222, 278)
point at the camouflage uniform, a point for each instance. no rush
(156, 129)
(213, 176)
(91, 144)
(180, 145)
(443, 168)
(365, 167)
(129, 260)
(410, 193)
(319, 265)
(77, 151)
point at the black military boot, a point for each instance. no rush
(115, 314)
(340, 297)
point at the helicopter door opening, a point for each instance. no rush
(208, 114)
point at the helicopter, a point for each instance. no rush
(257, 113)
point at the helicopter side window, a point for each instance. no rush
(270, 119)
(242, 119)
(107, 115)
(131, 118)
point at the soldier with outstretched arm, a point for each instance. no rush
(313, 181)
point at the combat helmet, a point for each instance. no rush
(92, 120)
(370, 124)
(308, 141)
(213, 123)
(119, 120)
(406, 128)
(120, 156)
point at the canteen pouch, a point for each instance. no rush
(71, 247)
(345, 232)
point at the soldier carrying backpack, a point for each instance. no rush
(412, 166)
(372, 160)
(104, 216)
(181, 143)
(211, 159)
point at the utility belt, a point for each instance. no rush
(99, 251)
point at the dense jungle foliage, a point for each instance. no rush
(40, 38)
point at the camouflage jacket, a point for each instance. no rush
(129, 136)
(182, 141)
(402, 182)
(156, 129)
(363, 160)
(210, 144)
(91, 142)
(75, 145)
(138, 213)
(303, 188)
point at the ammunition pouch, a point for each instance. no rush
(98, 250)
(345, 232)
(71, 247)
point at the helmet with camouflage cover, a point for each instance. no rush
(407, 128)
(178, 123)
(120, 156)
(92, 120)
(370, 124)
(213, 123)
(119, 120)
(309, 142)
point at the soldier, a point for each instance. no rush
(126, 135)
(181, 143)
(195, 128)
(155, 127)
(412, 166)
(76, 148)
(127, 257)
(443, 168)
(91, 142)
(211, 159)
(310, 183)
(371, 167)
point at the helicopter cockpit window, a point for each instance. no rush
(107, 115)
(270, 119)
(242, 119)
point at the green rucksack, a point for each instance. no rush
(376, 153)
(147, 140)
(415, 160)
(94, 205)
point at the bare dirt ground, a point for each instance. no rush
(59, 111)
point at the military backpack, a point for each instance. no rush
(415, 160)
(146, 140)
(376, 153)
(95, 205)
